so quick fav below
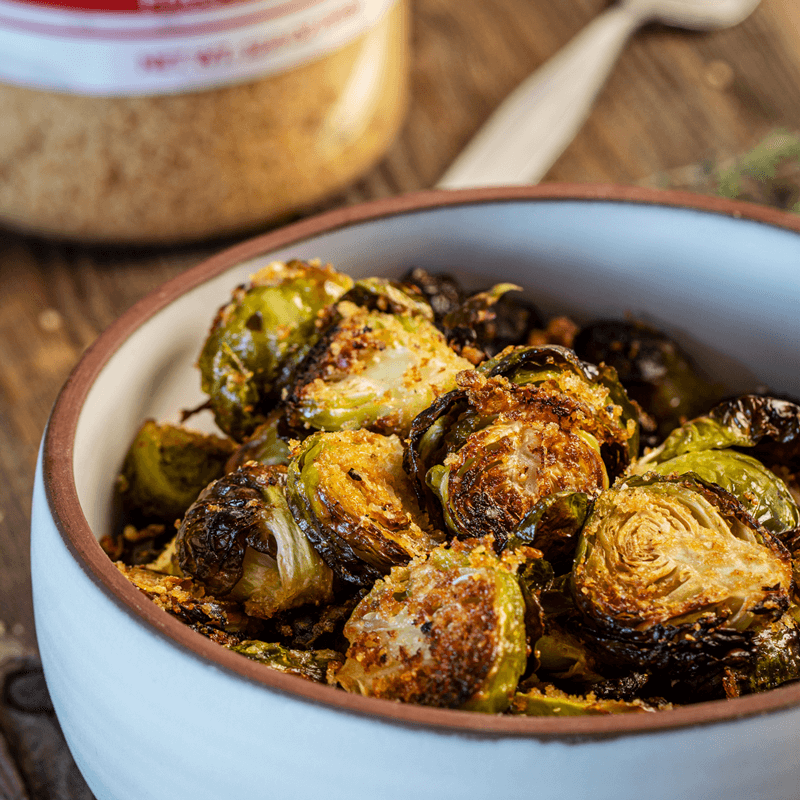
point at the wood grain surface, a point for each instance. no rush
(675, 99)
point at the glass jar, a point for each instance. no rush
(176, 120)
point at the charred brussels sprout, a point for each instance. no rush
(655, 371)
(257, 339)
(603, 398)
(350, 495)
(312, 665)
(374, 369)
(447, 630)
(241, 540)
(441, 290)
(491, 320)
(166, 468)
(674, 574)
(492, 451)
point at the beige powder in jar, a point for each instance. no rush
(177, 167)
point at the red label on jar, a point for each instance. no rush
(145, 47)
(133, 5)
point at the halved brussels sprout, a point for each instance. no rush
(241, 540)
(166, 467)
(313, 665)
(674, 574)
(258, 338)
(447, 630)
(598, 389)
(549, 701)
(493, 449)
(350, 495)
(373, 369)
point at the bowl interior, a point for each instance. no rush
(727, 288)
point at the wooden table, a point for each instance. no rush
(674, 99)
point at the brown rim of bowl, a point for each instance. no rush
(74, 529)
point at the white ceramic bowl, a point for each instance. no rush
(152, 710)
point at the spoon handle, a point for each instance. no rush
(534, 125)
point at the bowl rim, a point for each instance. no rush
(61, 492)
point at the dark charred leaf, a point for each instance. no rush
(553, 526)
(313, 665)
(241, 540)
(442, 291)
(657, 373)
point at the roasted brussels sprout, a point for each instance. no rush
(492, 450)
(442, 291)
(241, 540)
(673, 574)
(349, 493)
(313, 665)
(776, 659)
(608, 411)
(257, 339)
(373, 369)
(446, 630)
(712, 445)
(768, 427)
(165, 469)
(654, 370)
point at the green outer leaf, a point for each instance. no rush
(536, 703)
(166, 467)
(309, 664)
(266, 327)
(511, 654)
(762, 492)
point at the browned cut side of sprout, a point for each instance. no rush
(373, 369)
(446, 630)
(673, 574)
